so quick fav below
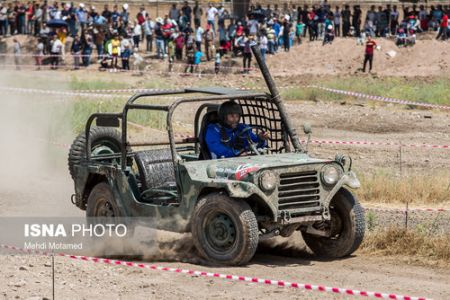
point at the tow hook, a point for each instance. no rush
(285, 216)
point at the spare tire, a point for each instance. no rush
(104, 140)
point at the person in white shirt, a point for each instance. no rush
(211, 16)
(55, 51)
(149, 26)
(263, 44)
(199, 37)
(137, 32)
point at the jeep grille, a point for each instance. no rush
(298, 190)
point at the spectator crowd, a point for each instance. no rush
(191, 34)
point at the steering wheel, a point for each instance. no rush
(246, 134)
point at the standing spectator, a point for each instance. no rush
(21, 19)
(75, 50)
(423, 17)
(37, 18)
(39, 54)
(211, 16)
(199, 37)
(368, 57)
(125, 15)
(107, 13)
(198, 13)
(12, 17)
(187, 12)
(190, 54)
(356, 20)
(55, 51)
(209, 43)
(88, 46)
(346, 15)
(29, 16)
(179, 44)
(174, 13)
(299, 28)
(263, 44)
(286, 38)
(197, 59)
(337, 21)
(3, 20)
(126, 57)
(82, 16)
(17, 53)
(247, 54)
(137, 32)
(149, 25)
(271, 41)
(443, 29)
(115, 50)
(159, 35)
(394, 20)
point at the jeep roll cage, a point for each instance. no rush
(255, 107)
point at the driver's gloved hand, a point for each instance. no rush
(264, 135)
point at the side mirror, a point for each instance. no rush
(307, 128)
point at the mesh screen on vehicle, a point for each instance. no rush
(263, 113)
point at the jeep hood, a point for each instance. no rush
(239, 167)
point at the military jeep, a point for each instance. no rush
(228, 204)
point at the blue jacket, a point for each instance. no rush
(225, 142)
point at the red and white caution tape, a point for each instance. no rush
(403, 210)
(381, 98)
(279, 283)
(56, 92)
(393, 144)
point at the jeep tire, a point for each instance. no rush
(106, 137)
(224, 230)
(347, 227)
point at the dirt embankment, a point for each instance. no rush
(428, 57)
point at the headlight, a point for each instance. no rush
(268, 181)
(331, 174)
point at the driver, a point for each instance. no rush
(227, 138)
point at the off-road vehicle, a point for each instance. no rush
(228, 204)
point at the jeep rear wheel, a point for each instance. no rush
(101, 202)
(346, 227)
(224, 230)
(104, 140)
(102, 209)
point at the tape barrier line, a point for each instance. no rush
(381, 98)
(409, 209)
(279, 283)
(336, 91)
(367, 143)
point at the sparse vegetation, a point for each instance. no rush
(382, 187)
(415, 245)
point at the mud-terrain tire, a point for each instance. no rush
(350, 233)
(224, 230)
(102, 208)
(99, 136)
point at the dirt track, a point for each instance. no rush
(35, 182)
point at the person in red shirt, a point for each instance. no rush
(443, 31)
(368, 57)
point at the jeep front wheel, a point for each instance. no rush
(346, 228)
(224, 230)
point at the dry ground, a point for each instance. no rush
(34, 181)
